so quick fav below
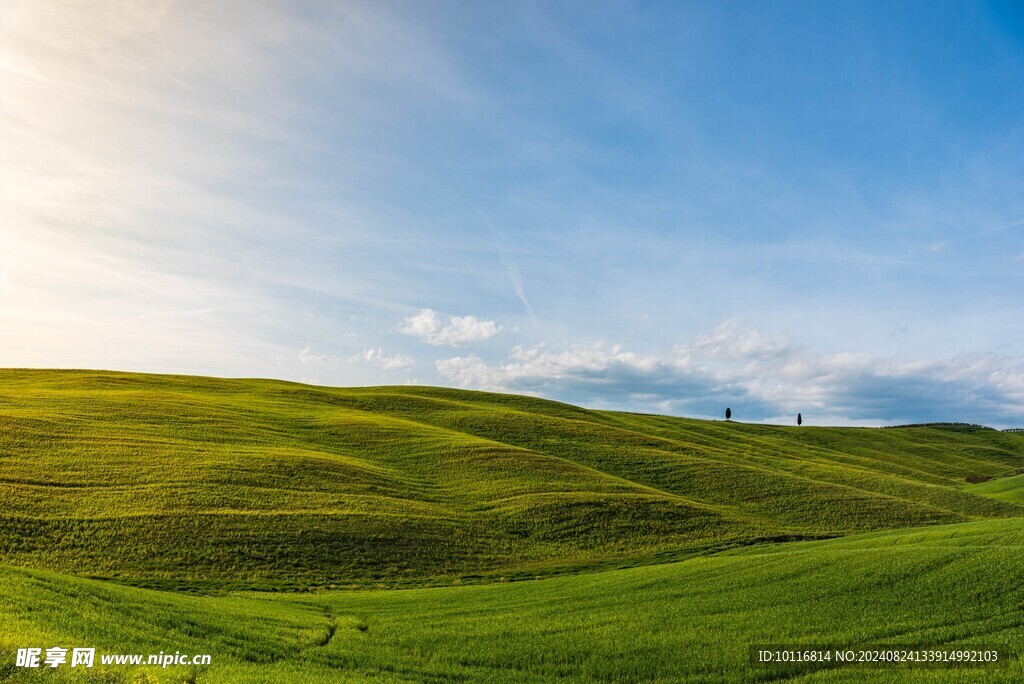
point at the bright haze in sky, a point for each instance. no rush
(668, 207)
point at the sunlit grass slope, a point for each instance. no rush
(1006, 488)
(688, 621)
(185, 479)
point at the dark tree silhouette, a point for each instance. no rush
(728, 413)
(799, 419)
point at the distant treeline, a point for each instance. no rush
(952, 425)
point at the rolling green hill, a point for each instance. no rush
(1005, 488)
(957, 585)
(188, 482)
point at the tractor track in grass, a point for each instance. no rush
(332, 627)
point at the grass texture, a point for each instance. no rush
(185, 481)
(688, 621)
(413, 534)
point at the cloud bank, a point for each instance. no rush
(762, 378)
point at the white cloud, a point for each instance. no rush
(533, 368)
(453, 331)
(377, 357)
(730, 341)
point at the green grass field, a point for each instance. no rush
(302, 533)
(687, 621)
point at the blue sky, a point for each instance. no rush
(669, 207)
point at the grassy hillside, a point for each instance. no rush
(188, 481)
(1005, 488)
(689, 621)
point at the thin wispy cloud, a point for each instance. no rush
(307, 355)
(270, 188)
(1010, 226)
(377, 357)
(143, 190)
